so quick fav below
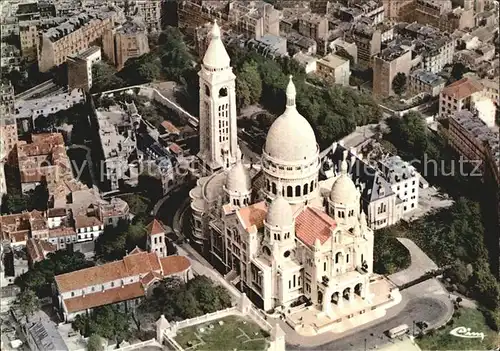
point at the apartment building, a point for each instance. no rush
(10, 58)
(440, 14)
(8, 140)
(422, 81)
(372, 10)
(6, 99)
(491, 89)
(128, 41)
(382, 205)
(44, 159)
(125, 282)
(44, 106)
(71, 37)
(29, 34)
(390, 62)
(435, 49)
(118, 143)
(368, 41)
(313, 26)
(459, 96)
(398, 10)
(404, 180)
(80, 68)
(252, 19)
(149, 11)
(334, 69)
(473, 140)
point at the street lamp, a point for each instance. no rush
(413, 328)
(365, 344)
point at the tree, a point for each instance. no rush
(41, 276)
(458, 300)
(399, 83)
(107, 321)
(28, 303)
(248, 85)
(104, 78)
(94, 343)
(14, 202)
(40, 197)
(457, 72)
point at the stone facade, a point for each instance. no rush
(283, 237)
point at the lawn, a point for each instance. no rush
(235, 333)
(470, 318)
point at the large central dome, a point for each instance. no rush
(291, 137)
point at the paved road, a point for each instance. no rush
(427, 301)
(426, 308)
(420, 264)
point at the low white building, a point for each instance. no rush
(334, 68)
(306, 61)
(485, 110)
(123, 282)
(404, 180)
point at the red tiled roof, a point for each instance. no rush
(37, 249)
(176, 149)
(313, 224)
(136, 250)
(106, 297)
(61, 231)
(174, 264)
(253, 215)
(140, 263)
(169, 127)
(155, 227)
(462, 88)
(148, 278)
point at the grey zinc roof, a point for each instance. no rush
(44, 333)
(369, 180)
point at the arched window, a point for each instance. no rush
(347, 258)
(207, 90)
(289, 191)
(306, 190)
(297, 190)
(223, 92)
(274, 188)
(338, 257)
(312, 185)
(268, 185)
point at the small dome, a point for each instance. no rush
(279, 213)
(344, 191)
(291, 137)
(216, 55)
(238, 179)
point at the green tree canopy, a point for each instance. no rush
(94, 343)
(178, 300)
(399, 83)
(28, 303)
(41, 276)
(104, 78)
(107, 321)
(248, 85)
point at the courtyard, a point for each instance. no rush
(230, 333)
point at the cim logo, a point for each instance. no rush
(463, 332)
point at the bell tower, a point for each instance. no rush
(218, 133)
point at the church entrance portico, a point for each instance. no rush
(346, 306)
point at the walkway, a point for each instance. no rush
(420, 264)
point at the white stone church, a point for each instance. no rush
(294, 245)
